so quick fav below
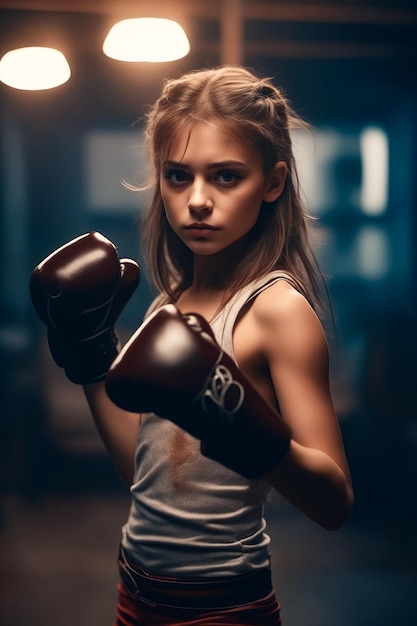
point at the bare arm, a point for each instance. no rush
(314, 475)
(117, 428)
(315, 484)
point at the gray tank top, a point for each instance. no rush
(193, 517)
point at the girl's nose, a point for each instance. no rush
(199, 199)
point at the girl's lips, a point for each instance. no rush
(200, 229)
(200, 226)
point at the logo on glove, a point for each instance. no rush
(225, 392)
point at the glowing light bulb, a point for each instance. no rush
(34, 68)
(148, 39)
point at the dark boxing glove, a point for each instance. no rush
(174, 367)
(79, 291)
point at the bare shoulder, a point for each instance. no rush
(280, 298)
(288, 329)
(281, 332)
(284, 310)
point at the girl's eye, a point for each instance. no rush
(227, 177)
(177, 177)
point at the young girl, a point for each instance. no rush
(225, 239)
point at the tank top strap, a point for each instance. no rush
(156, 303)
(224, 323)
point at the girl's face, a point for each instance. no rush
(213, 185)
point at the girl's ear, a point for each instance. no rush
(276, 182)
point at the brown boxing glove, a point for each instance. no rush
(79, 291)
(173, 367)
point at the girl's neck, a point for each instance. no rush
(214, 273)
(209, 289)
(207, 279)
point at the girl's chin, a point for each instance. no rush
(204, 247)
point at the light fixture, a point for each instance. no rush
(148, 39)
(34, 68)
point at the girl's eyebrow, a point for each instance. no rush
(220, 164)
(175, 164)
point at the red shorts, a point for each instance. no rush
(132, 611)
(246, 600)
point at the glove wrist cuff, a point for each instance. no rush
(86, 361)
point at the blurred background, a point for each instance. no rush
(349, 68)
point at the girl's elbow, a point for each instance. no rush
(341, 511)
(348, 505)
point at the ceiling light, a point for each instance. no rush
(147, 39)
(34, 68)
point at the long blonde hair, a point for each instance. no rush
(255, 110)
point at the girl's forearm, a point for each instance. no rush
(315, 484)
(118, 430)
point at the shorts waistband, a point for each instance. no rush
(194, 594)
